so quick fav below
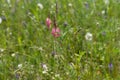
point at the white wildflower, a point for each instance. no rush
(45, 68)
(53, 6)
(44, 72)
(10, 33)
(97, 23)
(100, 48)
(118, 28)
(19, 65)
(103, 12)
(32, 66)
(23, 7)
(53, 78)
(57, 75)
(8, 1)
(13, 54)
(1, 50)
(40, 5)
(106, 2)
(29, 13)
(88, 36)
(40, 48)
(70, 4)
(0, 20)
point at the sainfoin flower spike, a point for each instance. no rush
(56, 32)
(48, 22)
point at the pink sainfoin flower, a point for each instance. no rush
(56, 32)
(48, 22)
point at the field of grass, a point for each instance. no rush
(87, 47)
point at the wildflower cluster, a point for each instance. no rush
(55, 30)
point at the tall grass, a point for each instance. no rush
(28, 50)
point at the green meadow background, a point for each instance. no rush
(28, 50)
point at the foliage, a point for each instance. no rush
(28, 50)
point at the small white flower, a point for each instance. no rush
(97, 23)
(10, 33)
(40, 48)
(118, 28)
(29, 13)
(70, 4)
(8, 1)
(23, 7)
(19, 65)
(1, 50)
(45, 67)
(32, 66)
(13, 54)
(103, 12)
(53, 78)
(88, 36)
(44, 72)
(52, 6)
(106, 2)
(57, 75)
(0, 20)
(40, 5)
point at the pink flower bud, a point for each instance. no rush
(56, 32)
(48, 22)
